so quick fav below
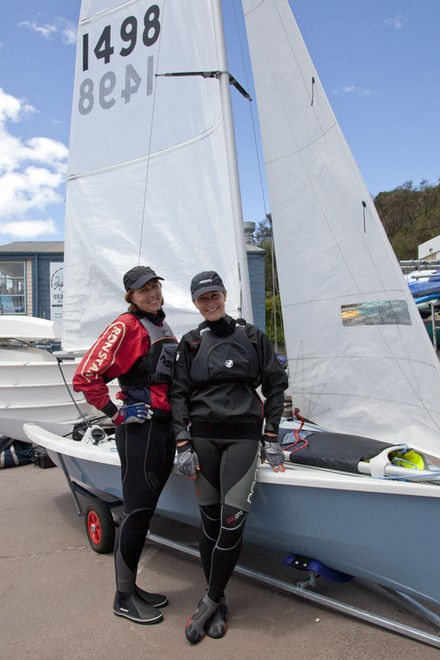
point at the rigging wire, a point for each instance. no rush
(254, 130)
(86, 421)
(150, 138)
(260, 174)
(274, 286)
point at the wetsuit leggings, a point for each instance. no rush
(147, 454)
(224, 488)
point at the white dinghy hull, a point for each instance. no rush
(32, 386)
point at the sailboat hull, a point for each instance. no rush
(360, 533)
(32, 388)
(354, 524)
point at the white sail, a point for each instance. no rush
(359, 357)
(148, 178)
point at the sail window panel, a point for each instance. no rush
(382, 312)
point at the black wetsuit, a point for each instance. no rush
(215, 405)
(147, 455)
(138, 350)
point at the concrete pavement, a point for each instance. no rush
(57, 594)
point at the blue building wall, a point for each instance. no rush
(36, 257)
(41, 282)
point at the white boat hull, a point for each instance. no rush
(32, 388)
(354, 524)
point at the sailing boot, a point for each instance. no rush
(197, 623)
(218, 625)
(155, 600)
(134, 608)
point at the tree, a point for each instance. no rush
(410, 216)
(274, 324)
(274, 320)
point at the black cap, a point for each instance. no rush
(138, 276)
(209, 280)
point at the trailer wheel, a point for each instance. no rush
(100, 527)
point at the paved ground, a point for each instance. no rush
(56, 595)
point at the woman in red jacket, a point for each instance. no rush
(138, 349)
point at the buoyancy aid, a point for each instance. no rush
(225, 359)
(155, 367)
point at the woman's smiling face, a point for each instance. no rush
(211, 305)
(149, 297)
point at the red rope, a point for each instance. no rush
(296, 432)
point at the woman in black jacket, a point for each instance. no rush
(218, 420)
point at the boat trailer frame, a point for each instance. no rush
(302, 589)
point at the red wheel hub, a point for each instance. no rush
(94, 527)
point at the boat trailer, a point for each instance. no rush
(100, 529)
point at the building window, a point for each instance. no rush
(12, 287)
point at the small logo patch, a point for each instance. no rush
(229, 364)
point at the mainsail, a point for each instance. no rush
(149, 180)
(359, 357)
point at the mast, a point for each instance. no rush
(231, 153)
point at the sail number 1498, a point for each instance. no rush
(128, 33)
(131, 34)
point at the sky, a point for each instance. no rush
(378, 61)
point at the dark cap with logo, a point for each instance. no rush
(209, 280)
(138, 276)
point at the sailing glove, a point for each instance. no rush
(272, 452)
(135, 413)
(187, 461)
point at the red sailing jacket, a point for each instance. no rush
(116, 350)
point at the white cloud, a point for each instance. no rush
(45, 31)
(32, 173)
(12, 108)
(352, 89)
(35, 188)
(28, 228)
(46, 150)
(69, 33)
(398, 22)
(59, 26)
